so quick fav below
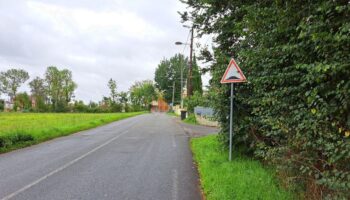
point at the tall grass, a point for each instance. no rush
(22, 129)
(242, 178)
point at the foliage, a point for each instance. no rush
(196, 99)
(112, 85)
(11, 80)
(142, 93)
(242, 178)
(55, 91)
(38, 92)
(80, 107)
(191, 119)
(2, 105)
(22, 102)
(168, 72)
(60, 87)
(24, 129)
(294, 110)
(124, 99)
(113, 103)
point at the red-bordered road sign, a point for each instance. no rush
(233, 74)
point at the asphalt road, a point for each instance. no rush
(144, 157)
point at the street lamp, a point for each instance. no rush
(181, 43)
(189, 79)
(181, 81)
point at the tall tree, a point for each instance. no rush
(68, 85)
(168, 72)
(294, 111)
(37, 87)
(60, 87)
(38, 91)
(112, 85)
(123, 99)
(54, 87)
(22, 102)
(11, 80)
(142, 93)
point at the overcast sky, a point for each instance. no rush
(96, 40)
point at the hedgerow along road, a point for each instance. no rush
(143, 157)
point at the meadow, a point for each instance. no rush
(18, 130)
(242, 178)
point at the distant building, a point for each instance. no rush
(159, 106)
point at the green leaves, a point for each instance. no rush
(142, 93)
(11, 80)
(296, 58)
(168, 72)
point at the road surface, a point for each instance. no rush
(144, 157)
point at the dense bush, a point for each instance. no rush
(2, 105)
(14, 139)
(197, 99)
(294, 111)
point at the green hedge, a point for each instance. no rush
(294, 110)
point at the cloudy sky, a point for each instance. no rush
(96, 40)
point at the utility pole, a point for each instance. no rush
(181, 83)
(189, 81)
(173, 94)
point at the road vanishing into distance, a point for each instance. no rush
(143, 157)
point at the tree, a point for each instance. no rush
(142, 93)
(68, 85)
(38, 92)
(22, 102)
(123, 99)
(2, 105)
(11, 80)
(112, 85)
(53, 83)
(79, 106)
(168, 72)
(60, 87)
(293, 112)
(37, 87)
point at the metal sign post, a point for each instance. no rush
(231, 123)
(233, 74)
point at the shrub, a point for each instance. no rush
(2, 105)
(191, 119)
(14, 138)
(294, 111)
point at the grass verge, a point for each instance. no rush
(172, 114)
(242, 178)
(191, 119)
(24, 129)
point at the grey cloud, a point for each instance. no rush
(94, 49)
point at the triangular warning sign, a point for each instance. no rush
(233, 73)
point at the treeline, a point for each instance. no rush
(168, 79)
(54, 92)
(294, 111)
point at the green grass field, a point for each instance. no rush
(23, 129)
(243, 178)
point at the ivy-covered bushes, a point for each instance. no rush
(294, 110)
